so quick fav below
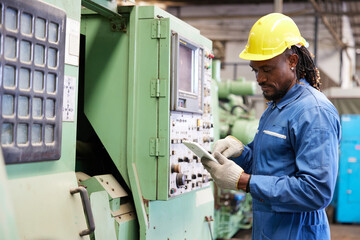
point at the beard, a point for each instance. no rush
(277, 95)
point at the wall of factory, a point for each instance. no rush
(229, 25)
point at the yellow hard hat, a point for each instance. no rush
(270, 36)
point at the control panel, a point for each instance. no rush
(186, 171)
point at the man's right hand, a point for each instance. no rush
(226, 173)
(229, 147)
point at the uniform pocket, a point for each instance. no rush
(316, 232)
(275, 134)
(274, 137)
(275, 142)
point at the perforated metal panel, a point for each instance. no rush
(31, 71)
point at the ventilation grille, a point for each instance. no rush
(32, 41)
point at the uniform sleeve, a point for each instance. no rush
(315, 137)
(245, 159)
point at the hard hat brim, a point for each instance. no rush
(257, 57)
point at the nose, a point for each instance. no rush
(260, 78)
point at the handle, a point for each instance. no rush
(87, 209)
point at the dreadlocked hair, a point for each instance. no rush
(306, 68)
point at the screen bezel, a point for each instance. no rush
(193, 102)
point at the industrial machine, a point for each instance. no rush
(96, 100)
(143, 80)
(37, 139)
(147, 87)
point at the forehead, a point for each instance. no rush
(273, 62)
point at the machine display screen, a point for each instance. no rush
(188, 79)
(187, 69)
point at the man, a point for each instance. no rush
(291, 166)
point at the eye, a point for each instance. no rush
(266, 70)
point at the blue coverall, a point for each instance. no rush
(294, 162)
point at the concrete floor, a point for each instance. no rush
(345, 231)
(338, 232)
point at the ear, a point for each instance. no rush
(293, 60)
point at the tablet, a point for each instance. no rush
(199, 150)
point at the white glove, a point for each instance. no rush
(226, 173)
(229, 147)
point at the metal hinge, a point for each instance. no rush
(157, 147)
(158, 88)
(159, 28)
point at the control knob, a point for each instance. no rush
(175, 168)
(180, 180)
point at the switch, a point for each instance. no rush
(205, 178)
(209, 55)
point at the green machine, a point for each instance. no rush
(41, 194)
(143, 79)
(37, 138)
(147, 78)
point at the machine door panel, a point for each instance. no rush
(38, 200)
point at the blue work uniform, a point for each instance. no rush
(293, 162)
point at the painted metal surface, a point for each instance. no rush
(67, 160)
(119, 76)
(105, 8)
(182, 217)
(235, 87)
(245, 129)
(44, 207)
(8, 226)
(105, 225)
(107, 76)
(114, 211)
(348, 190)
(40, 191)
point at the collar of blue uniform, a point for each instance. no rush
(291, 95)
